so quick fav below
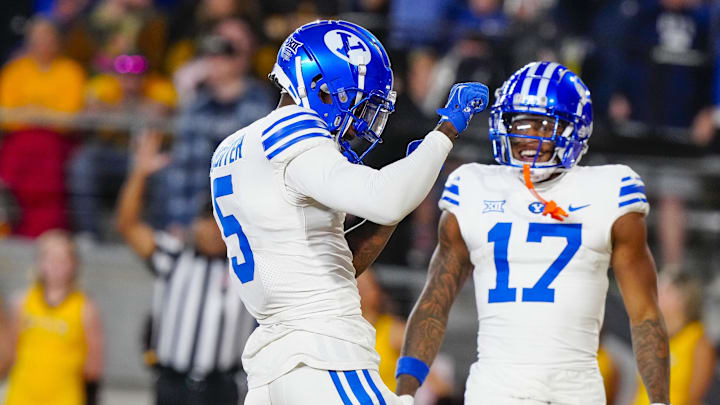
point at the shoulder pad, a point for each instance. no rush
(450, 198)
(292, 131)
(630, 191)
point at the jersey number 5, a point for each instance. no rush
(245, 271)
(540, 292)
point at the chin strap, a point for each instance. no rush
(347, 151)
(551, 207)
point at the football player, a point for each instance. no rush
(281, 188)
(538, 233)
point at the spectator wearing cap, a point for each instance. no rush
(33, 155)
(223, 98)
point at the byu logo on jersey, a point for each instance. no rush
(536, 207)
(348, 47)
(290, 48)
(494, 206)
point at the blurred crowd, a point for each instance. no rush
(83, 80)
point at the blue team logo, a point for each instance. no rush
(494, 206)
(536, 207)
(348, 47)
(290, 48)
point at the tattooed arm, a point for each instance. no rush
(635, 273)
(366, 242)
(449, 268)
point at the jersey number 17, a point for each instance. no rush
(541, 291)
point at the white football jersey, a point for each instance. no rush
(540, 284)
(290, 260)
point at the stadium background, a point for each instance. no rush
(653, 67)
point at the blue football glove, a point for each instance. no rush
(465, 100)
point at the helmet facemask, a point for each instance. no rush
(368, 119)
(566, 146)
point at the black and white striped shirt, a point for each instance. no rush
(199, 325)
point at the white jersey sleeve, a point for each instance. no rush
(382, 196)
(630, 192)
(450, 198)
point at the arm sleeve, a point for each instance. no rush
(382, 196)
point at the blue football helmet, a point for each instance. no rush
(346, 62)
(543, 89)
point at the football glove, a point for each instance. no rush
(465, 100)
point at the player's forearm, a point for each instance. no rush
(448, 129)
(426, 326)
(423, 336)
(130, 201)
(366, 243)
(650, 344)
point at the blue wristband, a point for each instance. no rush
(415, 367)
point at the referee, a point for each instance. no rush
(199, 326)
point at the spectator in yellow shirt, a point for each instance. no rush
(39, 78)
(56, 332)
(33, 155)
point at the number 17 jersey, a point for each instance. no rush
(540, 284)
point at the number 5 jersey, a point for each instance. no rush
(280, 190)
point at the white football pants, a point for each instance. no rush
(309, 386)
(503, 385)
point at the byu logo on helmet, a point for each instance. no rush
(536, 207)
(348, 47)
